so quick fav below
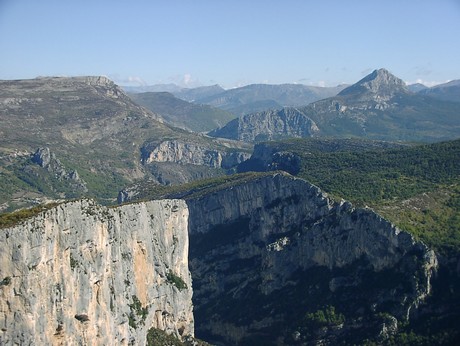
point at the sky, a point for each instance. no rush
(231, 43)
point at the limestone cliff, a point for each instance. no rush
(268, 125)
(83, 274)
(265, 252)
(189, 153)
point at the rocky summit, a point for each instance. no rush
(379, 85)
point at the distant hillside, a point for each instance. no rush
(170, 87)
(199, 93)
(416, 87)
(186, 94)
(377, 107)
(448, 91)
(183, 114)
(260, 97)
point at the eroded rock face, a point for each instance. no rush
(264, 253)
(84, 274)
(190, 153)
(268, 125)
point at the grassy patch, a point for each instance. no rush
(12, 219)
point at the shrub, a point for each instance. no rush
(176, 280)
(6, 281)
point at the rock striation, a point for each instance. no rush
(83, 274)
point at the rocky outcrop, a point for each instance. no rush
(84, 274)
(189, 153)
(46, 159)
(268, 125)
(265, 252)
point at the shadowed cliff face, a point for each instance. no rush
(263, 254)
(80, 273)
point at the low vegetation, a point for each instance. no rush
(158, 337)
(138, 313)
(11, 219)
(176, 281)
(323, 318)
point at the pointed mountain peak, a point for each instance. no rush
(380, 84)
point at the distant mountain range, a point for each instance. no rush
(249, 98)
(416, 87)
(379, 106)
(259, 97)
(448, 91)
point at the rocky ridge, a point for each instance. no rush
(80, 273)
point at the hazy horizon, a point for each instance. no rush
(232, 44)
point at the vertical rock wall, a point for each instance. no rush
(265, 252)
(84, 274)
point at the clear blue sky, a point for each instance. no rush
(232, 43)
